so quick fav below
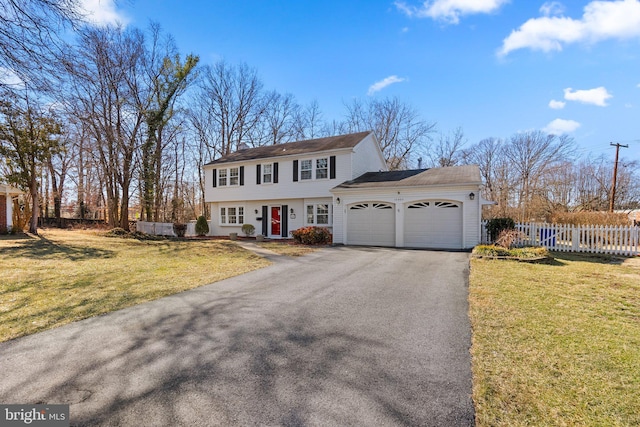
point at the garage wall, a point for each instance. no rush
(400, 198)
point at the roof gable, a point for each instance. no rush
(294, 148)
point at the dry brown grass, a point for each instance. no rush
(556, 345)
(62, 276)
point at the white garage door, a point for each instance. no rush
(371, 223)
(433, 224)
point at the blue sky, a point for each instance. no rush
(493, 67)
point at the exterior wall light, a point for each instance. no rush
(338, 200)
(472, 196)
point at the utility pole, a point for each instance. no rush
(615, 174)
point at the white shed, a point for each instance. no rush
(437, 208)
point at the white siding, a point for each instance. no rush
(285, 187)
(401, 197)
(251, 217)
(367, 157)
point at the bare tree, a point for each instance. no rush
(400, 130)
(30, 36)
(107, 94)
(530, 155)
(234, 97)
(447, 150)
(309, 124)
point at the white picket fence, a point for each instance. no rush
(165, 228)
(617, 240)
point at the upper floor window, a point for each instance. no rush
(267, 173)
(227, 177)
(222, 177)
(306, 167)
(322, 168)
(234, 176)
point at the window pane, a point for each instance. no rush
(233, 176)
(305, 169)
(310, 214)
(223, 215)
(322, 216)
(222, 177)
(232, 215)
(321, 168)
(240, 215)
(266, 173)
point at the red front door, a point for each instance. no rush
(275, 220)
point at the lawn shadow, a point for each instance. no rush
(562, 258)
(42, 248)
(211, 363)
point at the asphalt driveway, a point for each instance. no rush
(344, 336)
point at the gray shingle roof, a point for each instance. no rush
(293, 148)
(469, 174)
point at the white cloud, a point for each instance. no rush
(9, 78)
(378, 86)
(450, 10)
(601, 20)
(102, 12)
(552, 8)
(556, 105)
(561, 126)
(597, 96)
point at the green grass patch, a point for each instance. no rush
(63, 276)
(556, 344)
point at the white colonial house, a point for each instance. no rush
(342, 183)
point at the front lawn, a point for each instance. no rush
(556, 344)
(62, 276)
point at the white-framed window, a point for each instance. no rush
(306, 169)
(318, 214)
(322, 168)
(228, 177)
(231, 215)
(222, 177)
(267, 173)
(234, 176)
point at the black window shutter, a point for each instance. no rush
(265, 220)
(258, 174)
(332, 167)
(275, 173)
(295, 170)
(284, 221)
(215, 177)
(241, 175)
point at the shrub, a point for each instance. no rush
(312, 235)
(496, 225)
(117, 232)
(202, 226)
(508, 238)
(179, 228)
(248, 229)
(530, 252)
